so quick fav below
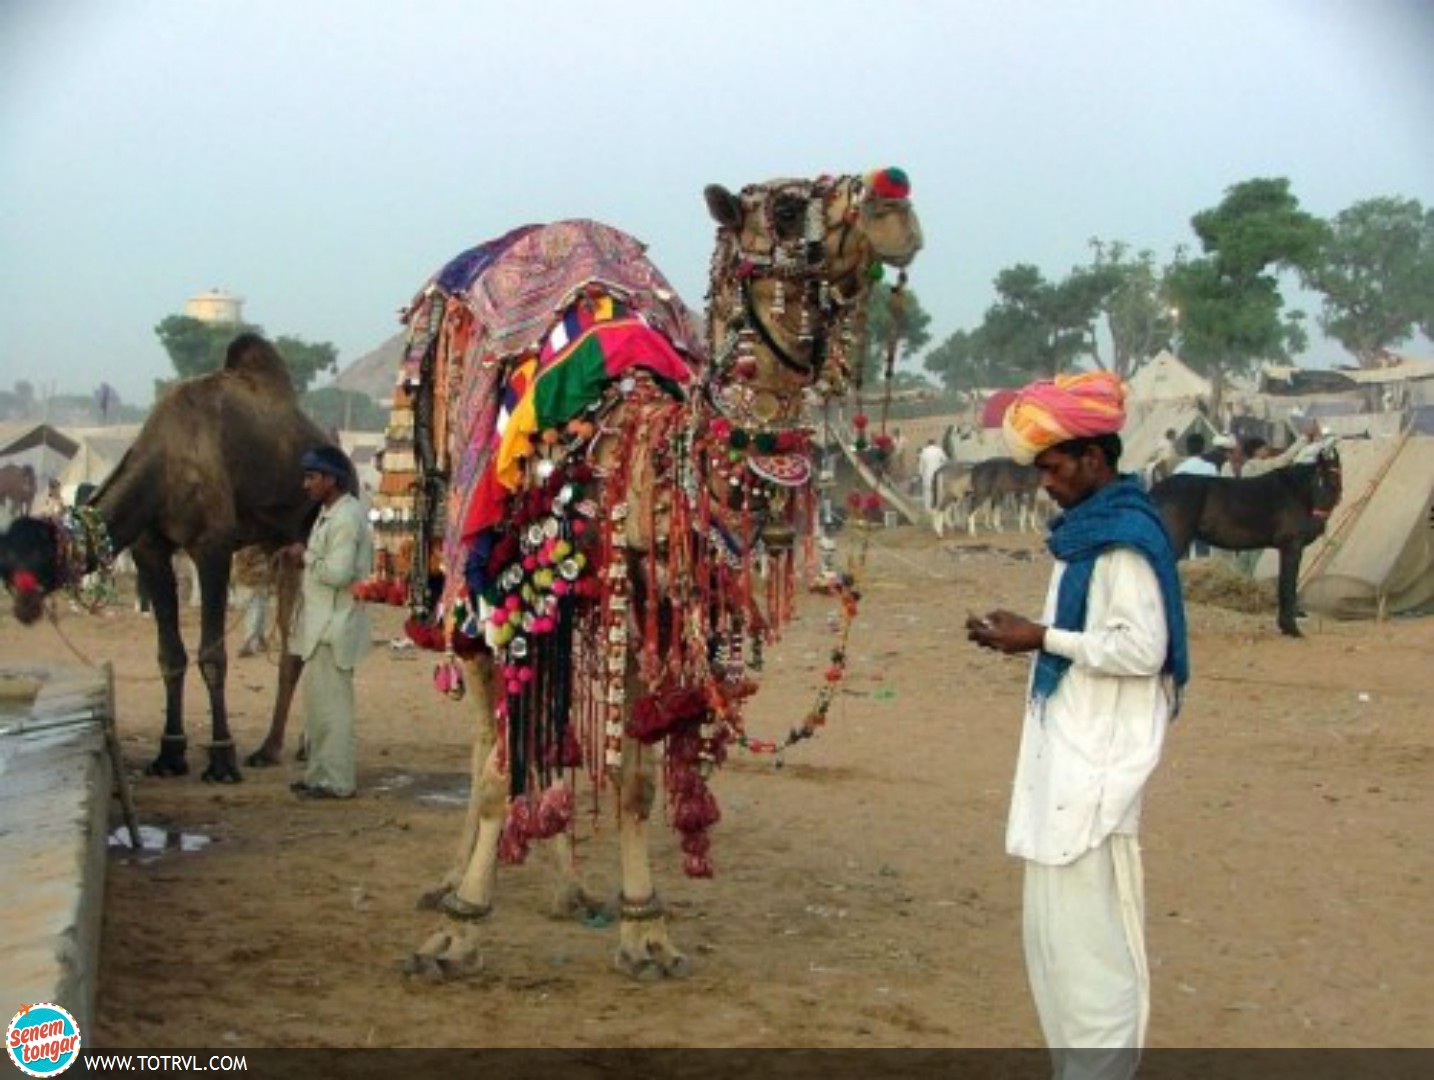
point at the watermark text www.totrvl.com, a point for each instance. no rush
(107, 1063)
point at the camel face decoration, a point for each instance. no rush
(215, 468)
(601, 515)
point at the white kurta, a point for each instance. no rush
(1085, 757)
(333, 635)
(1084, 763)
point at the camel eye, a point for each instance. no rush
(789, 214)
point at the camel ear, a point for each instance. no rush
(725, 208)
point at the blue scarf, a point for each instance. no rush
(1117, 515)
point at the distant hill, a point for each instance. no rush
(374, 372)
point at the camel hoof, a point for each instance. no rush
(223, 766)
(648, 968)
(652, 964)
(442, 958)
(1291, 630)
(167, 764)
(263, 758)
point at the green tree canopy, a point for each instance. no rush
(1138, 318)
(1376, 275)
(197, 348)
(1231, 311)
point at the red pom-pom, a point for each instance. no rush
(890, 183)
(859, 421)
(24, 581)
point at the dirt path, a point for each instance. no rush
(862, 896)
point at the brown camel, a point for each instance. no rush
(214, 469)
(616, 597)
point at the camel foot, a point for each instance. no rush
(652, 961)
(645, 952)
(223, 765)
(170, 761)
(1291, 629)
(572, 901)
(264, 758)
(444, 957)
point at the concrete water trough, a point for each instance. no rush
(56, 783)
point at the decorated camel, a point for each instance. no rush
(605, 514)
(214, 469)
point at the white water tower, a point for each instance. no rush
(216, 306)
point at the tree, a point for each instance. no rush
(307, 360)
(1231, 311)
(915, 331)
(1038, 327)
(962, 362)
(197, 348)
(1376, 275)
(1138, 319)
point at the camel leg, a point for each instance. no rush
(155, 569)
(1289, 588)
(645, 951)
(271, 749)
(286, 590)
(212, 571)
(466, 892)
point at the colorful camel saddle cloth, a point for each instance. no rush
(510, 339)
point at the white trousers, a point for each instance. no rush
(1084, 935)
(329, 723)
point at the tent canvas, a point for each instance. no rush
(95, 457)
(1377, 555)
(1146, 424)
(1166, 378)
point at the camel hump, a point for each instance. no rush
(254, 356)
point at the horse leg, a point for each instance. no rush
(211, 569)
(291, 666)
(645, 951)
(465, 894)
(1290, 553)
(156, 574)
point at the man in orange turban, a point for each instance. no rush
(1052, 411)
(1110, 659)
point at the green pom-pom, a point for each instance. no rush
(875, 272)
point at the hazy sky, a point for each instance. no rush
(321, 159)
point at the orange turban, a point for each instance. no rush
(1050, 411)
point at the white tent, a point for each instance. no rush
(99, 451)
(1147, 423)
(1166, 378)
(1377, 555)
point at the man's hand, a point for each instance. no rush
(1005, 632)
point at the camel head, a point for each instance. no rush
(794, 265)
(29, 564)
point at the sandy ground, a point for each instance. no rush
(862, 895)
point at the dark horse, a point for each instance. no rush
(215, 468)
(17, 488)
(1285, 509)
